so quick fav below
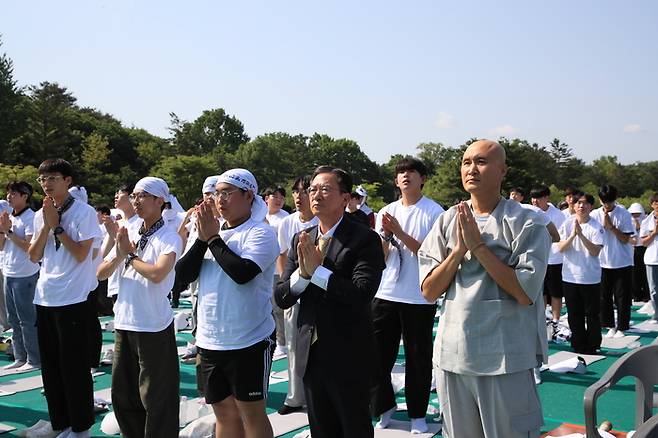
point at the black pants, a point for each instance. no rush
(412, 322)
(63, 342)
(583, 308)
(94, 332)
(640, 286)
(616, 286)
(145, 383)
(337, 404)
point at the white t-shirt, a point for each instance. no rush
(62, 280)
(614, 253)
(579, 266)
(276, 218)
(291, 225)
(557, 217)
(232, 316)
(16, 262)
(142, 305)
(113, 280)
(400, 282)
(651, 254)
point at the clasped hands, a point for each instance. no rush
(123, 244)
(50, 214)
(206, 223)
(308, 255)
(467, 233)
(5, 222)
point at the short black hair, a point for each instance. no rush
(653, 198)
(540, 192)
(272, 190)
(411, 163)
(608, 193)
(103, 209)
(126, 188)
(343, 178)
(56, 165)
(518, 190)
(572, 190)
(304, 180)
(355, 195)
(21, 187)
(588, 197)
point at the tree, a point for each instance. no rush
(345, 154)
(569, 169)
(18, 172)
(431, 154)
(185, 174)
(93, 165)
(214, 131)
(10, 97)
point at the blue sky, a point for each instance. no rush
(387, 74)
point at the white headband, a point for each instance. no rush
(154, 186)
(209, 184)
(79, 193)
(243, 179)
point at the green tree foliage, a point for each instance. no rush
(10, 98)
(184, 175)
(345, 154)
(17, 172)
(213, 131)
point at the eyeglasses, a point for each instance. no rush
(325, 190)
(224, 194)
(138, 196)
(52, 178)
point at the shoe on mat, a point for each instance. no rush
(610, 333)
(28, 367)
(618, 334)
(108, 357)
(13, 365)
(285, 409)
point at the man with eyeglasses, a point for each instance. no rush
(235, 329)
(301, 219)
(64, 233)
(20, 276)
(334, 269)
(145, 373)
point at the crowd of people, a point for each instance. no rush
(333, 285)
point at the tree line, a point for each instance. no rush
(43, 121)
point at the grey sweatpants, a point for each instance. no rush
(295, 396)
(503, 406)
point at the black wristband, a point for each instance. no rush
(132, 256)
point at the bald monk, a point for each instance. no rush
(487, 257)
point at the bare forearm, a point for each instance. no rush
(107, 268)
(35, 251)
(79, 250)
(438, 281)
(503, 275)
(408, 241)
(646, 240)
(593, 249)
(623, 238)
(564, 245)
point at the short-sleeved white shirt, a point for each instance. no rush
(291, 225)
(647, 227)
(276, 218)
(557, 217)
(16, 262)
(579, 266)
(614, 253)
(113, 280)
(62, 279)
(232, 316)
(142, 305)
(400, 281)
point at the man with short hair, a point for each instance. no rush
(616, 259)
(517, 194)
(488, 257)
(145, 374)
(648, 233)
(20, 276)
(301, 219)
(540, 197)
(64, 233)
(571, 196)
(334, 270)
(399, 309)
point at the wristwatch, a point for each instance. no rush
(129, 258)
(58, 230)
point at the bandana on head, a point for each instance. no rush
(153, 186)
(243, 179)
(209, 184)
(79, 193)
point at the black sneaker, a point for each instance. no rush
(285, 409)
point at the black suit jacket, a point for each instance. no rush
(341, 314)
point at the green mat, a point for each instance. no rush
(561, 394)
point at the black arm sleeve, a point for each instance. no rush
(189, 266)
(240, 270)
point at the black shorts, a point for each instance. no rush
(242, 373)
(553, 281)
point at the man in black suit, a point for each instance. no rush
(334, 272)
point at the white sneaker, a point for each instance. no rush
(108, 357)
(28, 367)
(618, 334)
(537, 373)
(280, 350)
(611, 333)
(15, 364)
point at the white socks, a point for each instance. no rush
(418, 425)
(385, 419)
